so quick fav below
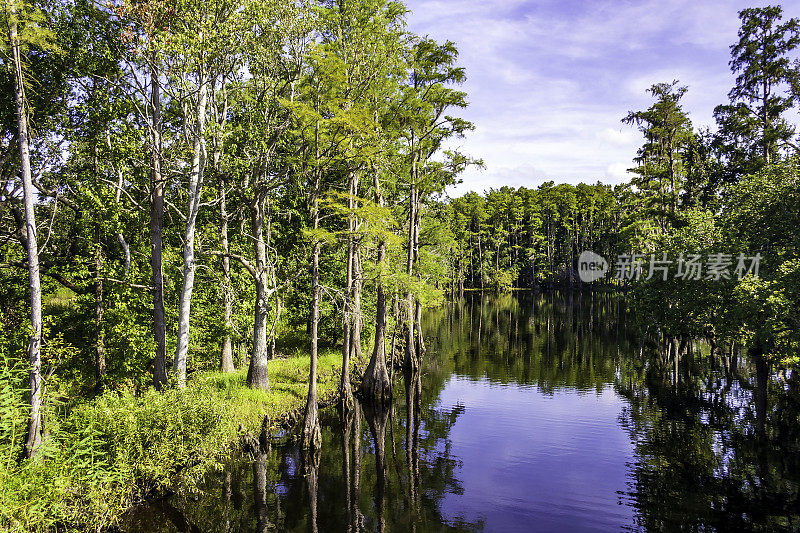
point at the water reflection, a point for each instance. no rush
(716, 444)
(260, 508)
(532, 412)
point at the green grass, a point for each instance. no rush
(60, 299)
(106, 452)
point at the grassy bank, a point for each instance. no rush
(103, 454)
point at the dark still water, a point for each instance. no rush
(532, 413)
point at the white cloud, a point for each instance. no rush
(549, 80)
(621, 137)
(617, 173)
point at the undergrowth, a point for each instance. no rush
(102, 454)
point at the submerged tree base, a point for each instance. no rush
(376, 387)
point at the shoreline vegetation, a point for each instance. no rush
(113, 451)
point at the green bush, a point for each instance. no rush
(103, 453)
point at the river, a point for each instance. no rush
(533, 412)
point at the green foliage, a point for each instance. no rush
(13, 409)
(667, 131)
(33, 27)
(753, 128)
(101, 454)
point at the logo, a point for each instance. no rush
(591, 267)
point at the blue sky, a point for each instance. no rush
(549, 80)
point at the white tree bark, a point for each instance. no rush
(195, 191)
(34, 438)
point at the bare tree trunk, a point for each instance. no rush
(156, 228)
(100, 350)
(99, 344)
(376, 384)
(765, 119)
(480, 256)
(226, 356)
(421, 349)
(393, 348)
(126, 249)
(411, 353)
(349, 319)
(312, 435)
(420, 341)
(355, 336)
(195, 191)
(257, 375)
(34, 438)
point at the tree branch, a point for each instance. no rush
(244, 262)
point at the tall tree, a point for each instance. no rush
(428, 98)
(753, 129)
(262, 117)
(667, 130)
(148, 22)
(25, 30)
(197, 50)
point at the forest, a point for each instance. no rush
(216, 213)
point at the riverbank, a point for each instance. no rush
(106, 454)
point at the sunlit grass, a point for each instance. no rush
(104, 452)
(60, 299)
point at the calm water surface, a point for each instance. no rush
(532, 413)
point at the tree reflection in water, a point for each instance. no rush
(712, 441)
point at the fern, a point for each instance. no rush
(13, 410)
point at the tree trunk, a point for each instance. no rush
(355, 336)
(376, 385)
(156, 228)
(349, 340)
(100, 349)
(471, 261)
(410, 355)
(257, 375)
(226, 356)
(34, 438)
(765, 119)
(420, 341)
(480, 257)
(421, 349)
(195, 191)
(99, 341)
(312, 435)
